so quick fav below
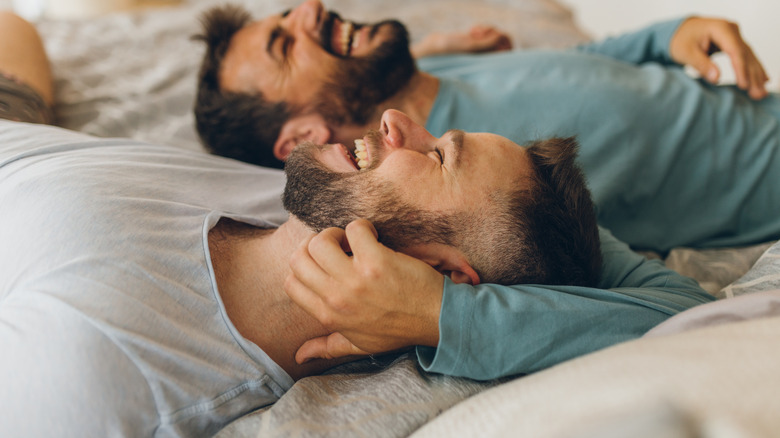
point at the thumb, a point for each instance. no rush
(332, 346)
(702, 63)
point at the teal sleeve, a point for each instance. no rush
(650, 44)
(490, 331)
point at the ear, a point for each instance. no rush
(446, 259)
(309, 127)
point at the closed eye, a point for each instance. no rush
(441, 156)
(288, 41)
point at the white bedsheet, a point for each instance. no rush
(717, 382)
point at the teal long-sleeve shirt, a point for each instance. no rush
(671, 161)
(489, 331)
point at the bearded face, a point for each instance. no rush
(322, 198)
(359, 84)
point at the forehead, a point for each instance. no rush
(247, 55)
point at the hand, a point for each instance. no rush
(377, 300)
(478, 39)
(698, 38)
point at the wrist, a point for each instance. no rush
(428, 322)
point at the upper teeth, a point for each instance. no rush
(346, 32)
(361, 154)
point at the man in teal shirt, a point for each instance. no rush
(671, 161)
(381, 300)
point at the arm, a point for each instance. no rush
(478, 39)
(689, 41)
(380, 301)
(650, 44)
(480, 328)
(22, 55)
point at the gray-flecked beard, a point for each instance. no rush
(322, 198)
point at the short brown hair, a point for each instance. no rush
(243, 126)
(545, 231)
(540, 230)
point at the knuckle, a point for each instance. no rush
(730, 26)
(371, 272)
(326, 319)
(336, 302)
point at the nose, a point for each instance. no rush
(402, 132)
(306, 16)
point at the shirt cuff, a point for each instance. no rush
(454, 328)
(664, 32)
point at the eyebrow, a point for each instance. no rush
(456, 137)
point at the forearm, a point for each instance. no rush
(650, 44)
(490, 331)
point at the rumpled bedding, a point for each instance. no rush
(134, 75)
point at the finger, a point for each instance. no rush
(304, 297)
(330, 250)
(758, 78)
(363, 238)
(701, 62)
(729, 40)
(480, 30)
(333, 346)
(504, 43)
(305, 268)
(740, 66)
(363, 223)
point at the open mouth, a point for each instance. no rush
(339, 158)
(342, 36)
(361, 154)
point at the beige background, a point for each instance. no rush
(759, 21)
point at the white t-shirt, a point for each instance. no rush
(110, 318)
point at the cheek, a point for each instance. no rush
(405, 167)
(410, 178)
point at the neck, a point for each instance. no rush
(415, 99)
(251, 266)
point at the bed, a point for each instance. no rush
(708, 372)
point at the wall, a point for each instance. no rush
(759, 21)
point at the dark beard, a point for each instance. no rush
(321, 198)
(359, 85)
